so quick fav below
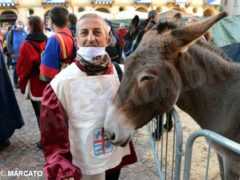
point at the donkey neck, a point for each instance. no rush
(201, 66)
(210, 83)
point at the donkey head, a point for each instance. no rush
(151, 83)
(135, 34)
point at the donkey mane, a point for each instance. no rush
(163, 26)
(214, 49)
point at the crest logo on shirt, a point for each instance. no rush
(101, 143)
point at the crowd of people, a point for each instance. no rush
(64, 66)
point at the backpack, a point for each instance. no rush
(5, 51)
(119, 70)
(36, 70)
(66, 59)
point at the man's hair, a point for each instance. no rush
(18, 19)
(35, 23)
(72, 18)
(93, 15)
(122, 25)
(59, 16)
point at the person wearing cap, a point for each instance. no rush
(74, 106)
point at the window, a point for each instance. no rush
(55, 1)
(102, 1)
(181, 3)
(143, 1)
(31, 11)
(236, 3)
(80, 9)
(214, 2)
(225, 2)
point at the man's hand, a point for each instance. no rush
(12, 56)
(71, 178)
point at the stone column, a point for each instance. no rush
(236, 7)
(229, 6)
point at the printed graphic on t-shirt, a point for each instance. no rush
(101, 143)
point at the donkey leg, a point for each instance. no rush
(220, 161)
(229, 174)
(169, 123)
(158, 130)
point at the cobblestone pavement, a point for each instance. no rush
(23, 155)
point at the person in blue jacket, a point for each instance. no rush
(15, 38)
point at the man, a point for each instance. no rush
(73, 109)
(60, 49)
(121, 32)
(114, 49)
(5, 50)
(15, 38)
(72, 23)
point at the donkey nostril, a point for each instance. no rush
(110, 135)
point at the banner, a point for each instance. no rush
(143, 1)
(6, 3)
(181, 1)
(214, 2)
(55, 1)
(103, 1)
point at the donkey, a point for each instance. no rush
(175, 67)
(135, 34)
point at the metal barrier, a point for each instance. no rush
(169, 167)
(211, 137)
(160, 133)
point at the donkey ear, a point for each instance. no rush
(184, 37)
(145, 23)
(176, 19)
(133, 25)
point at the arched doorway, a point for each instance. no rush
(104, 10)
(142, 9)
(208, 12)
(8, 18)
(159, 9)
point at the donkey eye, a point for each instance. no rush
(146, 78)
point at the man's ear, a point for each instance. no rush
(109, 40)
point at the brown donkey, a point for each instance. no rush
(175, 67)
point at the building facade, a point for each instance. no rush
(112, 9)
(232, 6)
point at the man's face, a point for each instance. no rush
(92, 33)
(50, 24)
(20, 25)
(20, 22)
